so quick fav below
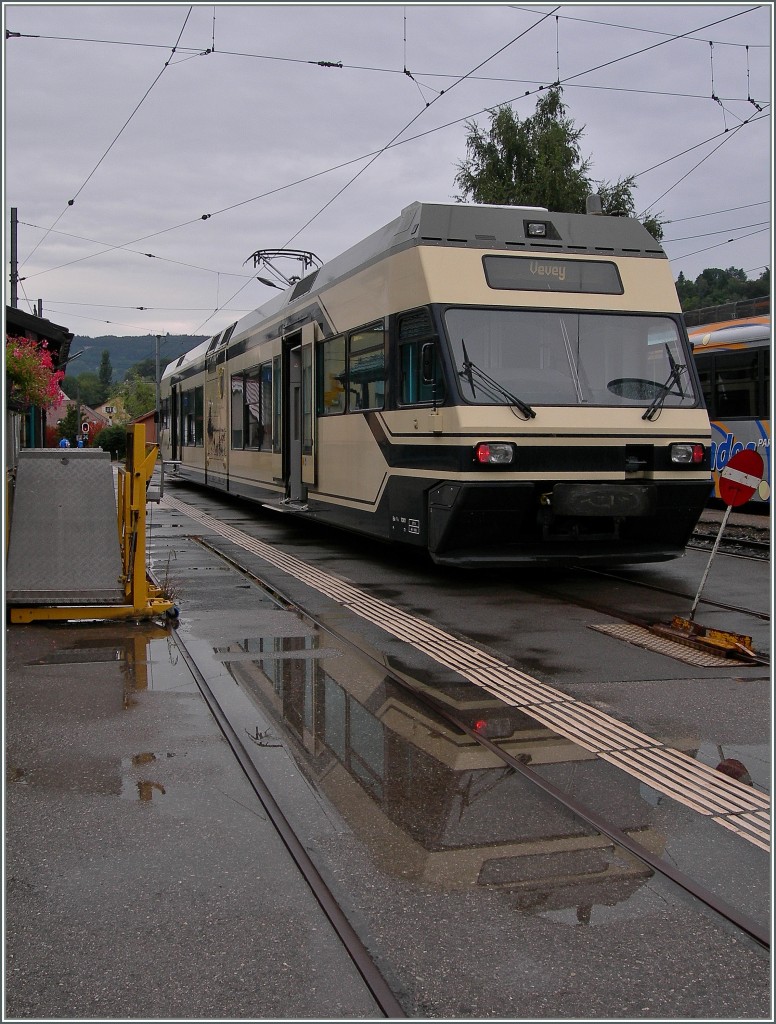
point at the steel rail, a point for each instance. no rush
(618, 614)
(359, 954)
(586, 814)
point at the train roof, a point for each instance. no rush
(733, 333)
(505, 228)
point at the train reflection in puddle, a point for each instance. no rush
(429, 802)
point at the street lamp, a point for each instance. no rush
(71, 358)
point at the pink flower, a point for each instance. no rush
(30, 375)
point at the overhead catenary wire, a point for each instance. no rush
(377, 153)
(567, 81)
(88, 178)
(606, 64)
(393, 140)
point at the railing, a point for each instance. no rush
(728, 311)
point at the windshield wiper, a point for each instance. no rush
(675, 377)
(490, 387)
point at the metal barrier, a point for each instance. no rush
(125, 589)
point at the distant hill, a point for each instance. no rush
(126, 352)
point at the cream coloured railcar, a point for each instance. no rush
(497, 385)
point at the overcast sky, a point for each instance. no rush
(200, 134)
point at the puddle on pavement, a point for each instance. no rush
(146, 654)
(146, 659)
(430, 803)
(135, 785)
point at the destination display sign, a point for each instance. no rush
(539, 273)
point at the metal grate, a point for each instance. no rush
(642, 637)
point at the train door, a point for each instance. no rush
(299, 413)
(292, 426)
(173, 424)
(215, 423)
(309, 337)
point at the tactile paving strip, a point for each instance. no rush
(727, 801)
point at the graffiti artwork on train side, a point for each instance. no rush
(733, 362)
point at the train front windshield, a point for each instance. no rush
(562, 358)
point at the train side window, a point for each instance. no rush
(199, 418)
(331, 377)
(187, 417)
(765, 356)
(704, 366)
(254, 431)
(277, 405)
(192, 405)
(252, 409)
(366, 369)
(237, 410)
(421, 376)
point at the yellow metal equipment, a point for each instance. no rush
(142, 598)
(721, 642)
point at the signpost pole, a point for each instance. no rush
(737, 483)
(711, 558)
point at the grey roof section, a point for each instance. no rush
(500, 228)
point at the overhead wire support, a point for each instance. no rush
(264, 258)
(748, 85)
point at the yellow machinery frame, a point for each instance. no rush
(142, 598)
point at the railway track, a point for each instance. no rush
(746, 541)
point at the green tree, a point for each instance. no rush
(69, 426)
(146, 369)
(86, 387)
(716, 287)
(113, 440)
(105, 374)
(538, 162)
(139, 396)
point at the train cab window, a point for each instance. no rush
(421, 373)
(366, 368)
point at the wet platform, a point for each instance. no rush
(144, 881)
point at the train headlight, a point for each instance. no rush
(688, 454)
(494, 453)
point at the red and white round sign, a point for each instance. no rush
(741, 477)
